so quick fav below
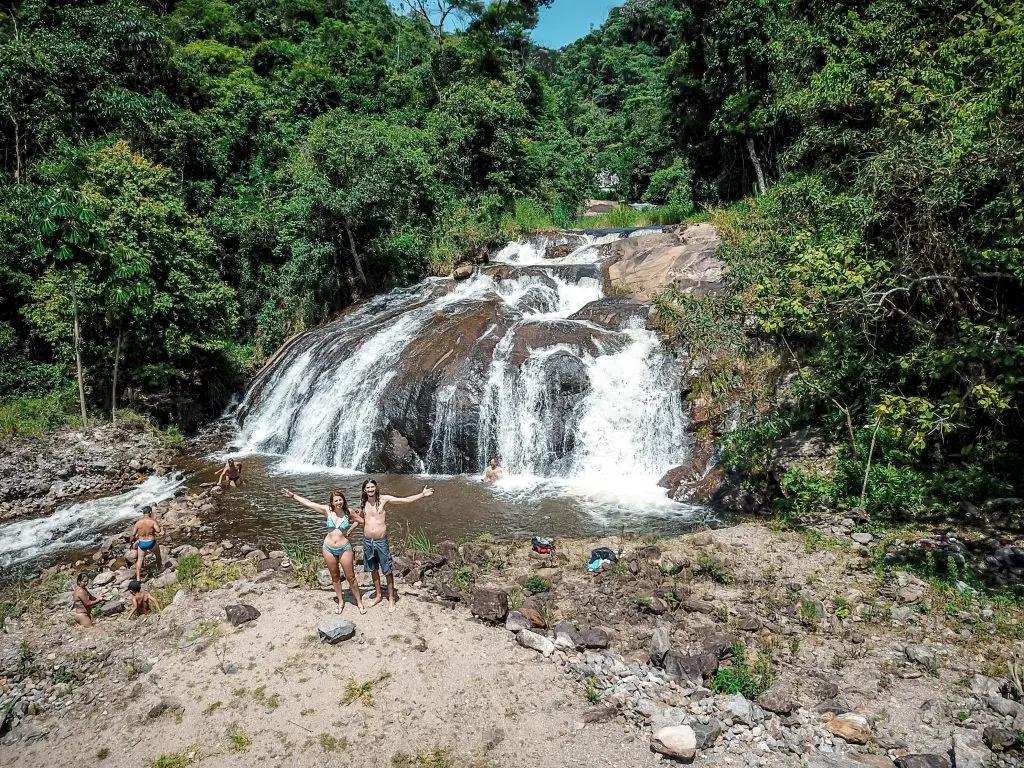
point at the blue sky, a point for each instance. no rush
(568, 20)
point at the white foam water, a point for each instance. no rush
(79, 525)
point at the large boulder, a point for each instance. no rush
(614, 312)
(676, 741)
(683, 257)
(689, 668)
(850, 727)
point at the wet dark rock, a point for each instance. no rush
(241, 614)
(490, 604)
(448, 550)
(614, 313)
(463, 271)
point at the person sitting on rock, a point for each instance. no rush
(145, 532)
(493, 472)
(142, 601)
(376, 552)
(232, 472)
(82, 601)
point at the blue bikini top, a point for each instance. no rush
(340, 524)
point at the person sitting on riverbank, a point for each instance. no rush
(144, 534)
(82, 601)
(142, 601)
(232, 472)
(376, 551)
(493, 472)
(337, 549)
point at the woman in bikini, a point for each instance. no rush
(82, 601)
(337, 549)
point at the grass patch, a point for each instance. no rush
(172, 439)
(439, 758)
(305, 563)
(189, 568)
(743, 677)
(329, 743)
(536, 584)
(239, 740)
(714, 568)
(355, 691)
(418, 542)
(593, 695)
(20, 595)
(28, 417)
(172, 760)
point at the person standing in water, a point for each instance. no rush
(337, 549)
(82, 601)
(376, 551)
(145, 532)
(493, 472)
(232, 472)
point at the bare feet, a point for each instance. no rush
(377, 601)
(362, 609)
(391, 606)
(338, 609)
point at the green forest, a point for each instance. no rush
(195, 181)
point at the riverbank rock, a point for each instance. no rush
(241, 614)
(677, 741)
(490, 604)
(680, 257)
(850, 727)
(334, 631)
(539, 643)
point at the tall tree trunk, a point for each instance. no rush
(355, 256)
(113, 389)
(78, 350)
(757, 165)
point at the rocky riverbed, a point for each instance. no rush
(37, 475)
(738, 647)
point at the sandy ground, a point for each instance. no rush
(471, 691)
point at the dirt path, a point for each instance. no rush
(451, 684)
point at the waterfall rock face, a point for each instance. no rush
(526, 360)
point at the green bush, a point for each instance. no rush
(536, 584)
(189, 568)
(751, 680)
(35, 416)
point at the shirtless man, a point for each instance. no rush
(376, 552)
(232, 472)
(493, 472)
(144, 533)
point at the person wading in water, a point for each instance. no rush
(376, 552)
(337, 549)
(232, 472)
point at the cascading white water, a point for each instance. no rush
(555, 396)
(78, 525)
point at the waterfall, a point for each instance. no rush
(511, 362)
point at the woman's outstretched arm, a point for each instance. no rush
(321, 508)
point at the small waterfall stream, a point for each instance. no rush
(527, 360)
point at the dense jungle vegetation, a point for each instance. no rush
(876, 149)
(202, 178)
